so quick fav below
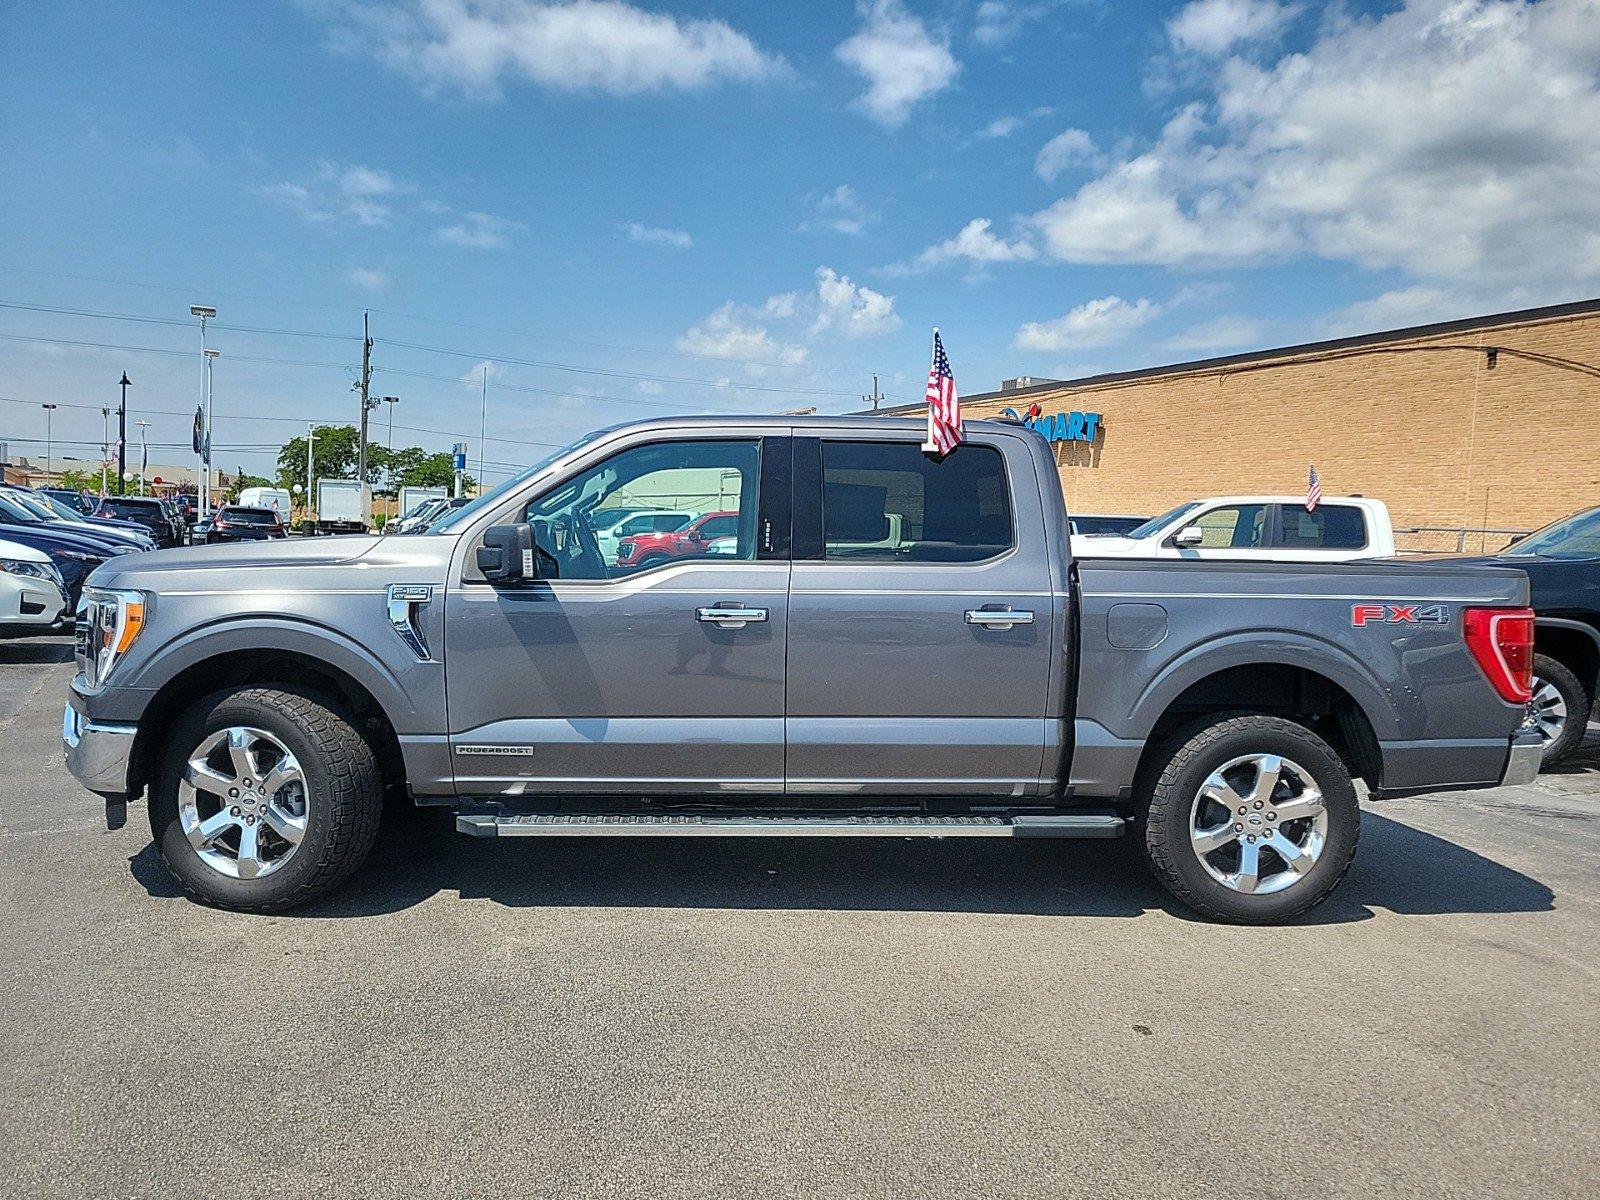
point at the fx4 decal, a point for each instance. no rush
(1398, 614)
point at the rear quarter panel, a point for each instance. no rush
(1430, 707)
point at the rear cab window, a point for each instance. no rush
(889, 502)
(1328, 527)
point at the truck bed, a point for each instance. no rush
(1152, 631)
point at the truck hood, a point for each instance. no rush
(221, 566)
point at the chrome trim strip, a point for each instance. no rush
(1524, 760)
(404, 601)
(97, 755)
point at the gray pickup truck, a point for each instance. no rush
(887, 644)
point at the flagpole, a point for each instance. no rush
(929, 446)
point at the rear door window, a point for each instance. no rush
(1328, 527)
(888, 501)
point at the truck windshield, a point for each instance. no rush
(454, 520)
(1155, 523)
(1577, 536)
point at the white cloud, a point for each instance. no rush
(1001, 127)
(340, 193)
(1215, 27)
(1452, 139)
(1094, 323)
(1062, 151)
(732, 332)
(974, 245)
(476, 372)
(841, 211)
(851, 309)
(902, 62)
(369, 279)
(1227, 332)
(480, 231)
(654, 235)
(996, 22)
(474, 47)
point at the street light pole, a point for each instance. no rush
(391, 401)
(105, 445)
(49, 439)
(311, 458)
(203, 455)
(122, 437)
(210, 357)
(144, 454)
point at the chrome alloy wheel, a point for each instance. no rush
(243, 802)
(1547, 711)
(1258, 824)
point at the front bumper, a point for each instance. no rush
(1522, 764)
(98, 755)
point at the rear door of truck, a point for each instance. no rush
(920, 662)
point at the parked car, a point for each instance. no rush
(73, 553)
(425, 514)
(1562, 562)
(973, 681)
(645, 550)
(147, 511)
(33, 598)
(637, 524)
(81, 502)
(1275, 528)
(134, 534)
(1098, 523)
(237, 523)
(188, 506)
(180, 524)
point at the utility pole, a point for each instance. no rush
(483, 424)
(144, 454)
(122, 437)
(311, 458)
(362, 387)
(49, 438)
(877, 396)
(105, 444)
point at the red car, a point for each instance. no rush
(652, 549)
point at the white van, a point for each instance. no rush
(276, 499)
(1274, 528)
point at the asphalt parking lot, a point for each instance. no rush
(758, 1018)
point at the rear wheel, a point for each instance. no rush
(265, 799)
(1559, 710)
(1249, 819)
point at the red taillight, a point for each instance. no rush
(1501, 639)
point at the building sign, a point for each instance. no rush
(1059, 427)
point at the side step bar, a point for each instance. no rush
(1068, 825)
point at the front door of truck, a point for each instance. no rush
(597, 678)
(923, 629)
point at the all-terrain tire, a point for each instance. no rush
(1577, 699)
(343, 783)
(1166, 796)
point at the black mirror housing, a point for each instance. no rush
(508, 554)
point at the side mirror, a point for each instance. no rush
(1188, 537)
(508, 554)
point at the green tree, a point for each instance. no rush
(336, 452)
(242, 481)
(80, 481)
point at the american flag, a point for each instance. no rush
(944, 405)
(1313, 490)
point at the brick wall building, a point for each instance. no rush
(1487, 422)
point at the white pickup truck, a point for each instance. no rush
(1266, 528)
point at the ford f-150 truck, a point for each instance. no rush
(971, 680)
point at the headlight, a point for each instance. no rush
(113, 621)
(12, 566)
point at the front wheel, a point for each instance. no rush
(264, 799)
(1249, 819)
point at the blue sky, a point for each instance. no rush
(633, 208)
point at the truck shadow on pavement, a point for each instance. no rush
(28, 651)
(419, 855)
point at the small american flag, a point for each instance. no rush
(1313, 490)
(944, 405)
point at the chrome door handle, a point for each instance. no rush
(998, 618)
(730, 618)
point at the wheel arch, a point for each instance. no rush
(1317, 699)
(222, 664)
(1572, 643)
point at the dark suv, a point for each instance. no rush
(147, 511)
(1563, 565)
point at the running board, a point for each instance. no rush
(1069, 825)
